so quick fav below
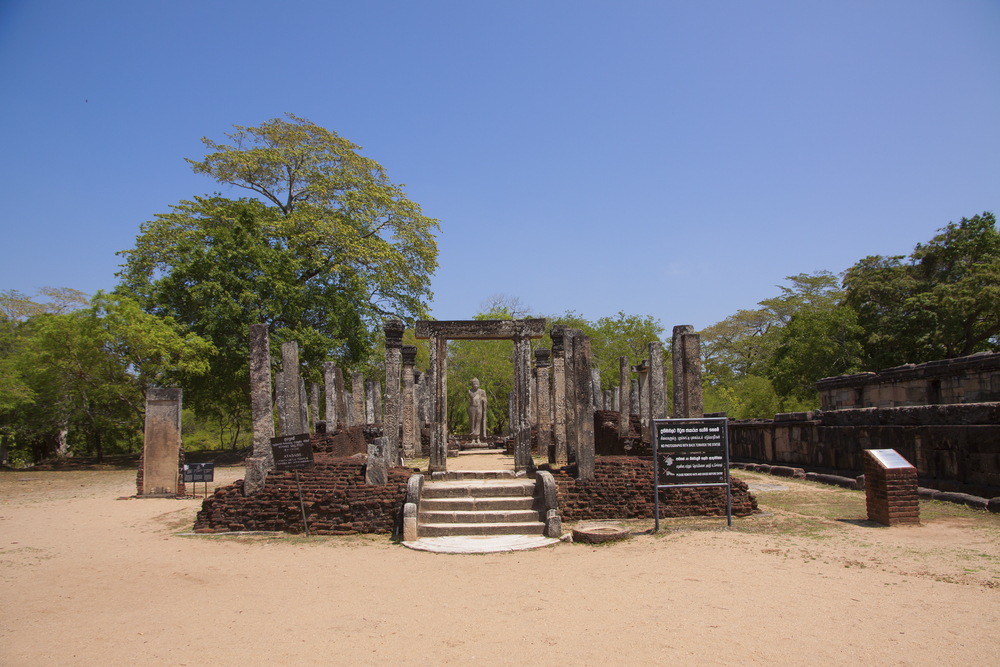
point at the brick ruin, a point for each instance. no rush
(943, 417)
(601, 467)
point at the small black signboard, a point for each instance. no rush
(199, 472)
(691, 452)
(292, 452)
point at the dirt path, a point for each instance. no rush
(88, 579)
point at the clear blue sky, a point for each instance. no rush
(671, 159)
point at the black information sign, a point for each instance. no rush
(691, 452)
(292, 452)
(199, 472)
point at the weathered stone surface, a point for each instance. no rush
(279, 393)
(677, 361)
(642, 370)
(411, 440)
(332, 414)
(358, 396)
(693, 402)
(393, 360)
(437, 376)
(522, 424)
(615, 398)
(480, 329)
(595, 387)
(624, 395)
(303, 406)
(609, 400)
(291, 388)
(376, 470)
(410, 533)
(633, 405)
(161, 441)
(553, 524)
(545, 489)
(584, 408)
(314, 403)
(260, 395)
(256, 475)
(542, 392)
(657, 391)
(559, 395)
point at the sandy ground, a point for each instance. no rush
(88, 579)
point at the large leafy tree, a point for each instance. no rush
(941, 302)
(326, 250)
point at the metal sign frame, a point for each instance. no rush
(691, 437)
(292, 452)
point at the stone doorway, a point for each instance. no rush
(438, 333)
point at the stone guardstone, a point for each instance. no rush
(162, 442)
(375, 471)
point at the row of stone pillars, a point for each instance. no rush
(575, 392)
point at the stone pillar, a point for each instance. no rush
(260, 401)
(584, 407)
(694, 404)
(393, 409)
(161, 445)
(532, 396)
(595, 385)
(370, 402)
(349, 397)
(624, 396)
(609, 400)
(615, 398)
(314, 404)
(303, 406)
(657, 391)
(542, 402)
(569, 342)
(438, 404)
(559, 390)
(333, 389)
(358, 395)
(522, 404)
(377, 402)
(291, 389)
(677, 364)
(279, 399)
(408, 406)
(642, 370)
(633, 398)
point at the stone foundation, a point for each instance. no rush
(622, 488)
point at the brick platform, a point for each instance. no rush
(891, 493)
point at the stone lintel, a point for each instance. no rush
(480, 329)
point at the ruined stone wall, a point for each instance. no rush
(953, 447)
(336, 497)
(607, 441)
(972, 379)
(622, 488)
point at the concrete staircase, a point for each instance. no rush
(487, 502)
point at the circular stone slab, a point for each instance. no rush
(594, 532)
(479, 544)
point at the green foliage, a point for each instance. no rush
(943, 303)
(816, 344)
(87, 371)
(329, 251)
(622, 336)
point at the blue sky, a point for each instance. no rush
(667, 159)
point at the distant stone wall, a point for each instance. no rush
(336, 498)
(622, 488)
(972, 379)
(953, 447)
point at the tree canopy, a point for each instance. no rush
(328, 250)
(943, 302)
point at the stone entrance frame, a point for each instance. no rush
(438, 334)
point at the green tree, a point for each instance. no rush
(816, 344)
(330, 249)
(942, 303)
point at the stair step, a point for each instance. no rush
(477, 504)
(446, 529)
(465, 475)
(478, 488)
(508, 516)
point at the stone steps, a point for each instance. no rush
(493, 502)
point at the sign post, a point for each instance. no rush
(691, 453)
(292, 452)
(198, 472)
